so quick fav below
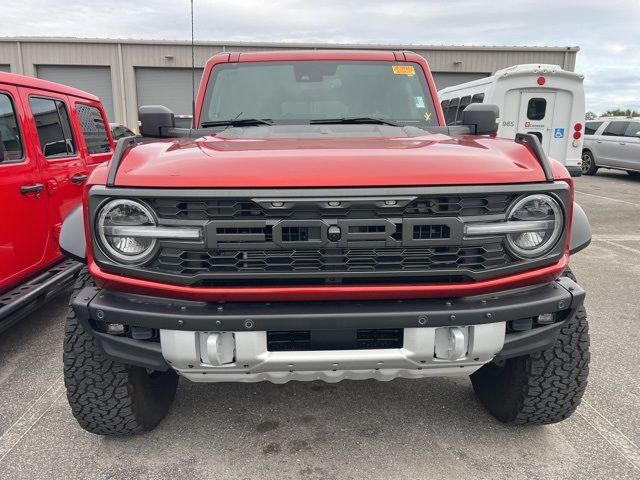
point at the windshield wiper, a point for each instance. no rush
(238, 122)
(353, 120)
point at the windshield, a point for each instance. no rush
(299, 92)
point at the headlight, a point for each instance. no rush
(122, 227)
(537, 222)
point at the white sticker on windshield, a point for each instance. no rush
(419, 102)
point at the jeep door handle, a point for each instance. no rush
(622, 143)
(79, 178)
(598, 141)
(35, 188)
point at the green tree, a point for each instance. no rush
(590, 116)
(618, 112)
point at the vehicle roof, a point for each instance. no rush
(522, 70)
(530, 68)
(284, 55)
(625, 118)
(32, 82)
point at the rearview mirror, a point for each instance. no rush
(482, 117)
(154, 118)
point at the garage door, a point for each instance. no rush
(448, 79)
(96, 80)
(170, 87)
(5, 68)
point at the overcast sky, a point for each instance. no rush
(607, 31)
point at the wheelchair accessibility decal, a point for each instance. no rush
(558, 133)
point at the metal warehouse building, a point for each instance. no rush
(128, 73)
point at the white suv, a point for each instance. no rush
(612, 142)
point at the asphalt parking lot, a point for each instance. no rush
(433, 428)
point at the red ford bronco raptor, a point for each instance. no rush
(319, 222)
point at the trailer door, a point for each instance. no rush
(536, 116)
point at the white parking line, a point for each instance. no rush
(607, 198)
(623, 237)
(615, 244)
(611, 434)
(30, 417)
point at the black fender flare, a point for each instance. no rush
(580, 230)
(72, 239)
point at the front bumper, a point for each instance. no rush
(186, 326)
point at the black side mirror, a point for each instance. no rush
(153, 118)
(482, 117)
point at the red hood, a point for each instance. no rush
(328, 162)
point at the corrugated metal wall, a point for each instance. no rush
(490, 60)
(123, 57)
(167, 86)
(448, 79)
(92, 79)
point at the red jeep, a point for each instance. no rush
(51, 138)
(321, 223)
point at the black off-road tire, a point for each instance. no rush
(589, 166)
(108, 397)
(540, 388)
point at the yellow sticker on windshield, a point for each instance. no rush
(403, 70)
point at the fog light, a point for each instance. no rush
(390, 202)
(451, 343)
(218, 348)
(334, 203)
(545, 318)
(115, 328)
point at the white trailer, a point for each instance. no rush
(544, 100)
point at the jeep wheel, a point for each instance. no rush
(588, 163)
(541, 388)
(107, 397)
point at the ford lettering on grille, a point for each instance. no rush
(337, 233)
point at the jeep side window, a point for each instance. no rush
(616, 129)
(590, 128)
(54, 129)
(477, 98)
(93, 128)
(11, 149)
(632, 130)
(536, 108)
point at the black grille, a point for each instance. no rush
(313, 340)
(330, 240)
(431, 232)
(204, 209)
(189, 262)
